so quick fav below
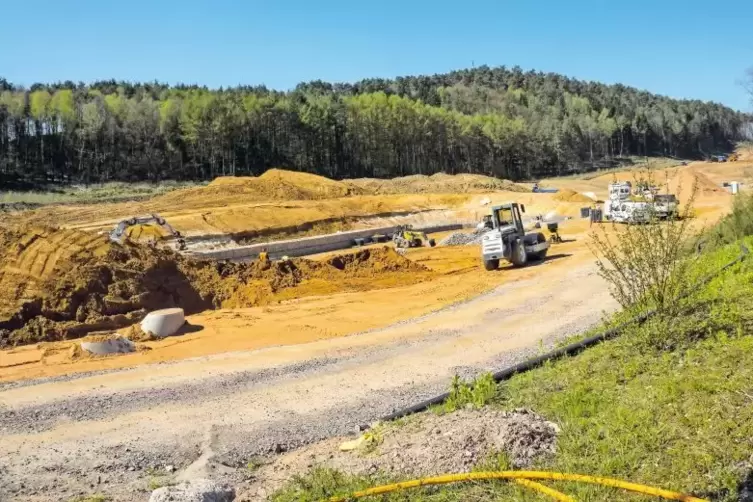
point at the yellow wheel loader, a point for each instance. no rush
(406, 237)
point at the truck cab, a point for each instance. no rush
(665, 205)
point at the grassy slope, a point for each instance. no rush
(106, 192)
(680, 419)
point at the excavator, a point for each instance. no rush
(406, 237)
(119, 233)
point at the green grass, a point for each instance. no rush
(106, 192)
(475, 394)
(669, 404)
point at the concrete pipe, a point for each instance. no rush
(165, 322)
(115, 345)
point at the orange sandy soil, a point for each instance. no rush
(296, 321)
(459, 274)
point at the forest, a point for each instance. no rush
(497, 121)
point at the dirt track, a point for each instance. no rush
(58, 438)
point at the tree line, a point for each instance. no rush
(497, 121)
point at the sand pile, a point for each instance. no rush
(683, 180)
(274, 184)
(568, 195)
(437, 183)
(102, 286)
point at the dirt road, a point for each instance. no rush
(113, 432)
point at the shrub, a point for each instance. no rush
(477, 393)
(646, 265)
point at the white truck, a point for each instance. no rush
(665, 205)
(619, 208)
(507, 239)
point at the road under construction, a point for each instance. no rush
(358, 332)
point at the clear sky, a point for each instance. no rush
(681, 48)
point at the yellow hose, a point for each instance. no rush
(558, 496)
(527, 475)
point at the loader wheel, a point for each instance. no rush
(519, 256)
(491, 264)
(432, 243)
(416, 243)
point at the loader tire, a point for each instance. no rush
(432, 243)
(491, 264)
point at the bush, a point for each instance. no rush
(477, 393)
(646, 265)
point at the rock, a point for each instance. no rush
(196, 490)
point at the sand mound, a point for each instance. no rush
(437, 183)
(274, 184)
(567, 195)
(684, 180)
(67, 292)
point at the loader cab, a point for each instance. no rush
(507, 217)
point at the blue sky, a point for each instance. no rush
(684, 49)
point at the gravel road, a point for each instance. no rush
(116, 432)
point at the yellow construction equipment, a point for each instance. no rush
(406, 237)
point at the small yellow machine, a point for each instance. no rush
(406, 237)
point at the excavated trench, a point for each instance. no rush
(63, 284)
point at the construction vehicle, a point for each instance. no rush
(665, 205)
(485, 223)
(621, 209)
(119, 233)
(406, 237)
(733, 157)
(508, 241)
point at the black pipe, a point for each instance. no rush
(567, 350)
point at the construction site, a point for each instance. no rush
(304, 305)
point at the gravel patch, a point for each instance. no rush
(426, 445)
(463, 238)
(99, 406)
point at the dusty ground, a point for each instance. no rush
(421, 445)
(110, 432)
(247, 383)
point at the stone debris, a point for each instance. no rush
(463, 238)
(197, 490)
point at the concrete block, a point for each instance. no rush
(163, 322)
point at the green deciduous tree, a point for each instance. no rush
(498, 121)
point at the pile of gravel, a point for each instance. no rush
(456, 442)
(463, 238)
(431, 444)
(197, 490)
